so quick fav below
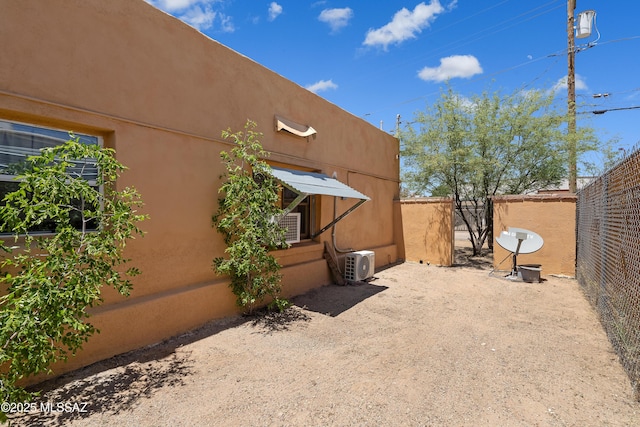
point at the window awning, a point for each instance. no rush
(309, 183)
(315, 183)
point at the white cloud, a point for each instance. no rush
(561, 84)
(463, 66)
(404, 25)
(336, 18)
(199, 18)
(322, 85)
(200, 14)
(173, 5)
(274, 10)
(226, 23)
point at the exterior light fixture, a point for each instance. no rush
(303, 131)
(583, 29)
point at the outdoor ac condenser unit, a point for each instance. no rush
(359, 265)
(291, 223)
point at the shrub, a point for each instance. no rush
(53, 279)
(246, 218)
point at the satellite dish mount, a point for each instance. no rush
(519, 241)
(521, 238)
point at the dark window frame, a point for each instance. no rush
(18, 141)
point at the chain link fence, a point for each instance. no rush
(608, 257)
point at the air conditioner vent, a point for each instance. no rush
(359, 266)
(291, 223)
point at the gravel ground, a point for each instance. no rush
(418, 346)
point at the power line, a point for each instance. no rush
(487, 31)
(556, 54)
(613, 109)
(501, 26)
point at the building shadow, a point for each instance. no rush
(332, 300)
(116, 384)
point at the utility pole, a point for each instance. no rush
(571, 97)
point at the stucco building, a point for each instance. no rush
(160, 93)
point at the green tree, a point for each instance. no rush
(51, 280)
(246, 217)
(441, 191)
(607, 155)
(488, 145)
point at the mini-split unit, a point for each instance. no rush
(359, 266)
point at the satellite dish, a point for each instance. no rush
(528, 241)
(519, 241)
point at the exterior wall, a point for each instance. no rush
(428, 230)
(160, 93)
(553, 217)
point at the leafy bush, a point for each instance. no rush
(246, 218)
(51, 280)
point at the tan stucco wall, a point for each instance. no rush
(428, 230)
(160, 93)
(553, 217)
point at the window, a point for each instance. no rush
(306, 209)
(312, 185)
(18, 141)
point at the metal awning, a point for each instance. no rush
(308, 183)
(315, 183)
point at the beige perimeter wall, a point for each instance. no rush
(553, 217)
(160, 93)
(428, 230)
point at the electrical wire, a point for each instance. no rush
(604, 107)
(501, 26)
(559, 54)
(612, 109)
(493, 270)
(485, 32)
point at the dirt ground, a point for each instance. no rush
(418, 346)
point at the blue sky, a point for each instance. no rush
(380, 59)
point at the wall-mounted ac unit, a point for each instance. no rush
(291, 223)
(359, 266)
